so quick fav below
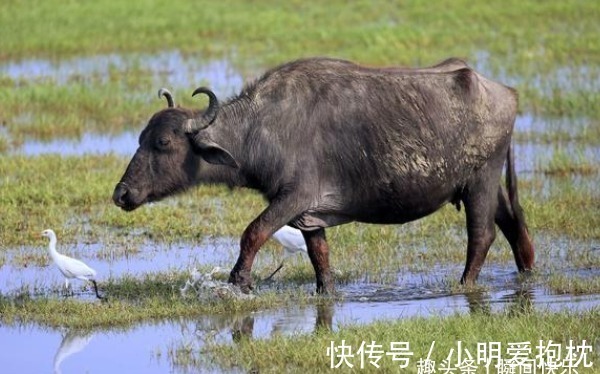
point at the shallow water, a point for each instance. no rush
(175, 70)
(17, 274)
(149, 347)
(124, 144)
(176, 346)
(528, 123)
(529, 157)
(166, 69)
(140, 349)
(566, 78)
(532, 157)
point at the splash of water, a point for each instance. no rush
(206, 287)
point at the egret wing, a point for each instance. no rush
(73, 268)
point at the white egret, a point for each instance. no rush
(70, 267)
(293, 243)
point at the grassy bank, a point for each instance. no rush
(130, 301)
(309, 353)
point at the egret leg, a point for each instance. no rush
(67, 287)
(96, 290)
(273, 273)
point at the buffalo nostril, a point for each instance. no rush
(119, 193)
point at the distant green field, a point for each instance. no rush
(531, 34)
(548, 50)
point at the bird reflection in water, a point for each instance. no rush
(73, 341)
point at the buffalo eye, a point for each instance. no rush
(163, 142)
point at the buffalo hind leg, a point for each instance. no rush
(480, 207)
(318, 251)
(515, 232)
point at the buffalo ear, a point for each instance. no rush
(213, 153)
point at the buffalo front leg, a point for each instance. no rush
(253, 238)
(318, 251)
(255, 235)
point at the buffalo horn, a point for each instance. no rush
(210, 114)
(164, 92)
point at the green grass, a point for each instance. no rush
(73, 196)
(564, 162)
(308, 353)
(43, 110)
(74, 199)
(383, 32)
(570, 210)
(577, 285)
(133, 300)
(549, 51)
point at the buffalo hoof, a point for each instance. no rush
(242, 279)
(325, 287)
(326, 291)
(526, 274)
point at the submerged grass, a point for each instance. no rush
(574, 285)
(157, 295)
(549, 51)
(131, 300)
(565, 162)
(308, 353)
(45, 110)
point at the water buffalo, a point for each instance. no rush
(327, 142)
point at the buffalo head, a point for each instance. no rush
(172, 148)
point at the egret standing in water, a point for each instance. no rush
(70, 267)
(292, 241)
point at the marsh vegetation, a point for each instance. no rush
(91, 71)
